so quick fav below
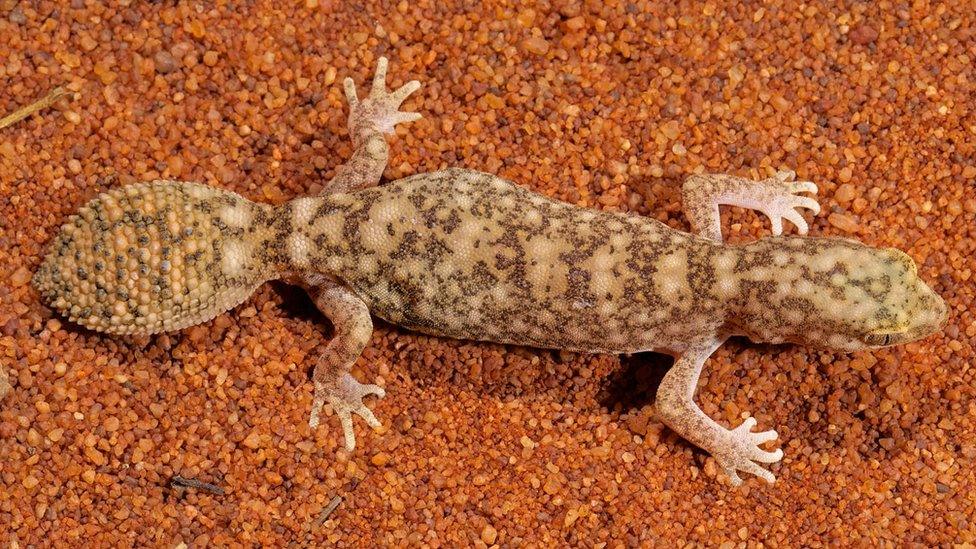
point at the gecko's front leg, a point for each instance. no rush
(775, 196)
(333, 381)
(734, 450)
(369, 119)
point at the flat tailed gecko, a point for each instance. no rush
(464, 254)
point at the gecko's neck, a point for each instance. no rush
(777, 287)
(314, 234)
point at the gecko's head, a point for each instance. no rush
(841, 294)
(888, 303)
(154, 257)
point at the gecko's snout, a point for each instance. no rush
(932, 314)
(927, 310)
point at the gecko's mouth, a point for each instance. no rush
(907, 334)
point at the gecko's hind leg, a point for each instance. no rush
(369, 119)
(333, 381)
(776, 197)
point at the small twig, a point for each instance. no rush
(43, 103)
(324, 515)
(4, 383)
(181, 482)
(334, 504)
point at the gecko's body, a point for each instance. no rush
(460, 253)
(468, 255)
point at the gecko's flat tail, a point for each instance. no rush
(154, 257)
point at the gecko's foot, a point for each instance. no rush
(778, 200)
(346, 397)
(379, 112)
(739, 451)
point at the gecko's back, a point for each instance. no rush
(469, 255)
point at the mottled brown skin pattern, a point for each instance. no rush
(460, 253)
(465, 254)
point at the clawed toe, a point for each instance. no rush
(346, 398)
(797, 220)
(404, 91)
(747, 467)
(785, 203)
(785, 175)
(742, 452)
(764, 436)
(380, 110)
(803, 187)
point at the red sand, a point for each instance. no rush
(608, 105)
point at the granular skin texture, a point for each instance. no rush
(604, 105)
(141, 258)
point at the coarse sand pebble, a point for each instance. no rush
(608, 105)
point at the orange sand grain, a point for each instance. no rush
(608, 105)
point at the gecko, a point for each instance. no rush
(464, 254)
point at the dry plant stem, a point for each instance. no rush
(43, 103)
(329, 509)
(13, 118)
(4, 383)
(334, 504)
(182, 482)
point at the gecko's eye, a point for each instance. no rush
(879, 340)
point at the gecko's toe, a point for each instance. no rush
(345, 395)
(746, 425)
(345, 412)
(796, 219)
(807, 203)
(787, 206)
(763, 456)
(379, 111)
(734, 477)
(345, 419)
(350, 88)
(368, 416)
(404, 117)
(404, 91)
(732, 470)
(785, 175)
(741, 452)
(732, 466)
(764, 436)
(803, 187)
(758, 471)
(375, 390)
